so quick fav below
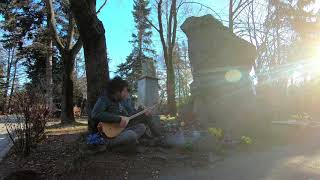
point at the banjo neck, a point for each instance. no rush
(141, 112)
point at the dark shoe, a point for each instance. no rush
(156, 141)
(128, 148)
(94, 148)
(147, 141)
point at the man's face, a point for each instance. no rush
(124, 93)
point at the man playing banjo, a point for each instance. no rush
(115, 107)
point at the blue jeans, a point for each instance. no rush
(129, 136)
(135, 129)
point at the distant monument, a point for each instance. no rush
(221, 88)
(148, 88)
(148, 68)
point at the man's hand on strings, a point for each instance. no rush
(148, 113)
(124, 121)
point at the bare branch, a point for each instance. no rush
(253, 23)
(231, 22)
(157, 29)
(53, 27)
(77, 46)
(175, 24)
(202, 5)
(243, 7)
(239, 6)
(169, 27)
(164, 46)
(104, 3)
(70, 31)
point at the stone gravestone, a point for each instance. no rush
(221, 88)
(148, 90)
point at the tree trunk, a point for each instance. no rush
(13, 83)
(231, 16)
(94, 43)
(67, 88)
(171, 90)
(7, 82)
(49, 80)
(179, 81)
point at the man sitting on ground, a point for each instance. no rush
(115, 107)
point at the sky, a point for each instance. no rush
(118, 22)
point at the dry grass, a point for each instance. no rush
(58, 129)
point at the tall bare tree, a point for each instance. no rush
(14, 81)
(168, 40)
(183, 72)
(68, 51)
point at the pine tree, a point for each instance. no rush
(35, 63)
(142, 45)
(26, 28)
(21, 20)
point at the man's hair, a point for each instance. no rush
(117, 84)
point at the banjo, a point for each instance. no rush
(112, 130)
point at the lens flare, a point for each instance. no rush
(233, 75)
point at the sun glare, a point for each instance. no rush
(312, 66)
(233, 75)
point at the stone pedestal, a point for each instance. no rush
(148, 85)
(148, 91)
(221, 90)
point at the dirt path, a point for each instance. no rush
(299, 160)
(4, 144)
(4, 141)
(296, 161)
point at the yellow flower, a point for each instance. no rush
(246, 140)
(217, 132)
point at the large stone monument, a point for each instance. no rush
(221, 88)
